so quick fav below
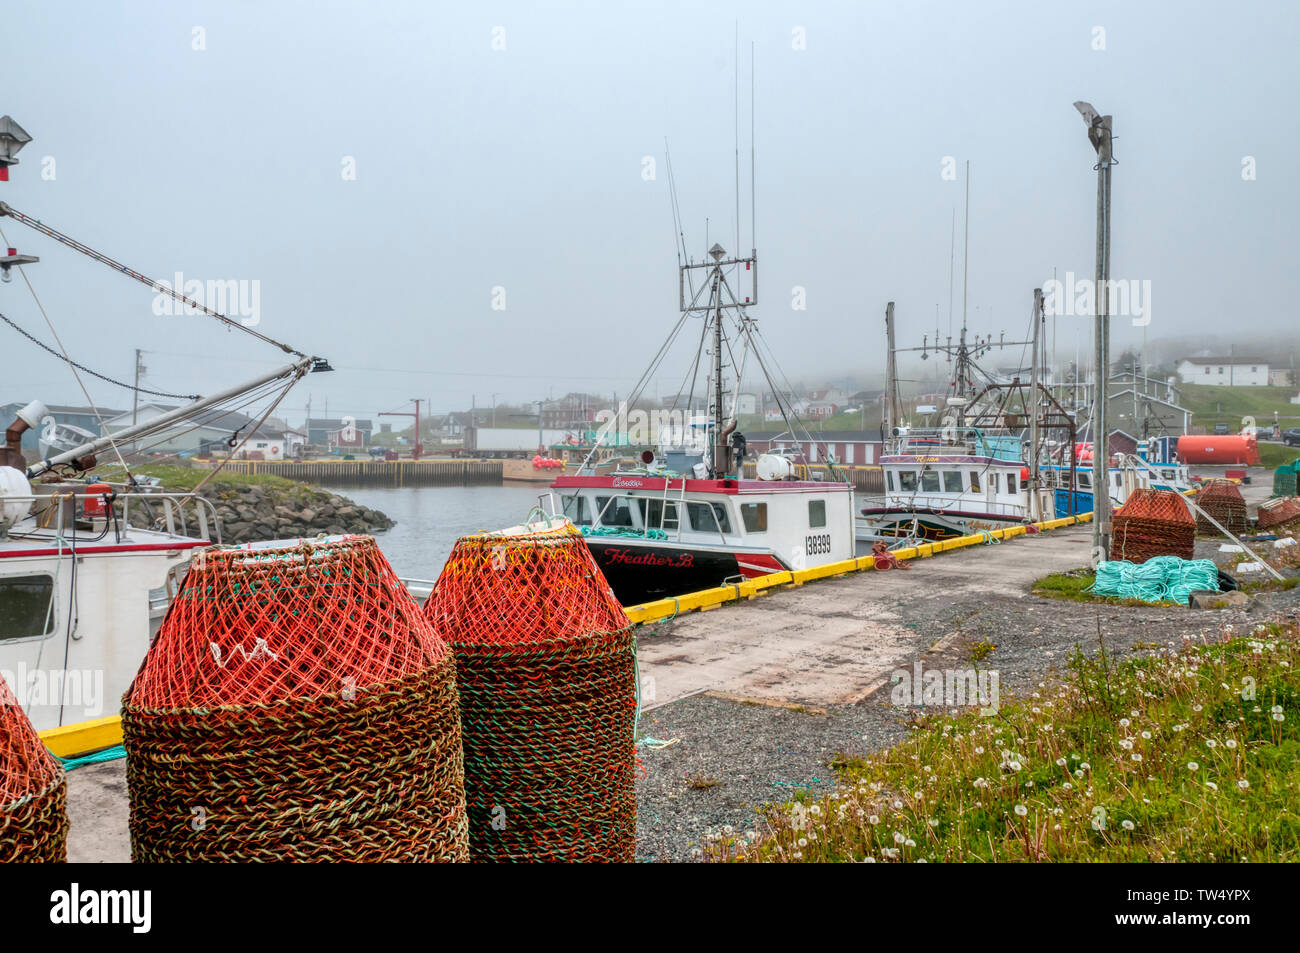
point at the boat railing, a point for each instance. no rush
(57, 510)
(956, 504)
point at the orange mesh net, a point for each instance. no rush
(1222, 499)
(33, 791)
(1153, 523)
(546, 668)
(259, 624)
(296, 706)
(528, 587)
(1278, 512)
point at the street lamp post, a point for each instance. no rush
(1099, 134)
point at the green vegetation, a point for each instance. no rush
(702, 783)
(1210, 405)
(186, 478)
(1191, 754)
(1274, 455)
(1075, 586)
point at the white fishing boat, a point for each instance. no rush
(685, 520)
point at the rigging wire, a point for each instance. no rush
(36, 224)
(50, 324)
(93, 373)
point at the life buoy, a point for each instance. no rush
(274, 451)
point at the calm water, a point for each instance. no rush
(431, 519)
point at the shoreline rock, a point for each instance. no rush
(256, 512)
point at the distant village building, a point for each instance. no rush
(211, 432)
(73, 416)
(339, 433)
(849, 447)
(1225, 371)
(1282, 377)
(571, 412)
(1145, 415)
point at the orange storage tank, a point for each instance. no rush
(1211, 448)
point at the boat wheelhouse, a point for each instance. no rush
(656, 535)
(937, 497)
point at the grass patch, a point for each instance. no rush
(702, 782)
(1074, 586)
(1274, 455)
(1191, 754)
(1211, 404)
(842, 763)
(186, 478)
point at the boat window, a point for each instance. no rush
(708, 518)
(654, 515)
(890, 475)
(576, 509)
(26, 607)
(755, 517)
(1085, 480)
(1011, 483)
(816, 514)
(907, 481)
(617, 513)
(952, 481)
(975, 481)
(930, 481)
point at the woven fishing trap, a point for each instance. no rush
(1152, 523)
(1277, 512)
(546, 666)
(1222, 499)
(33, 790)
(295, 706)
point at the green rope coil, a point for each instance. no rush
(1159, 579)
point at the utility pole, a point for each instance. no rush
(1035, 511)
(891, 374)
(416, 446)
(1100, 135)
(135, 397)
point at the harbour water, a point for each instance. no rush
(431, 519)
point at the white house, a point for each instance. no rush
(1224, 371)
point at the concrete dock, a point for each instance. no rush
(835, 642)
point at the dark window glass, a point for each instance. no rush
(617, 513)
(816, 514)
(26, 606)
(576, 509)
(755, 517)
(708, 518)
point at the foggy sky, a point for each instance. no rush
(523, 168)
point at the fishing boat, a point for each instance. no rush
(82, 586)
(685, 520)
(943, 484)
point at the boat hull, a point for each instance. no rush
(641, 571)
(931, 527)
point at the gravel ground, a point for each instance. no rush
(750, 754)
